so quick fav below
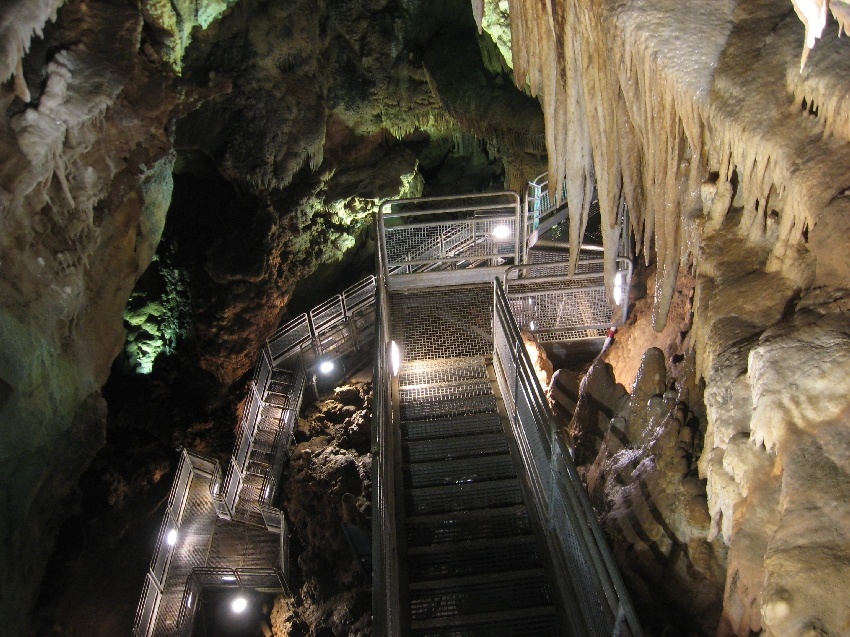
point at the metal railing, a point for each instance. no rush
(554, 306)
(449, 240)
(263, 437)
(386, 605)
(338, 326)
(541, 211)
(596, 599)
(542, 214)
(193, 536)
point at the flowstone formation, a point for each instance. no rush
(734, 166)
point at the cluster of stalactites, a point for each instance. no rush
(616, 122)
(812, 13)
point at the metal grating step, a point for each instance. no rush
(442, 371)
(444, 390)
(442, 472)
(437, 409)
(525, 622)
(478, 594)
(454, 448)
(480, 557)
(281, 385)
(459, 526)
(459, 426)
(460, 497)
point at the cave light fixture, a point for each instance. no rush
(171, 537)
(618, 287)
(228, 578)
(239, 604)
(395, 358)
(501, 232)
(326, 366)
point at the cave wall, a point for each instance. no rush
(85, 178)
(734, 166)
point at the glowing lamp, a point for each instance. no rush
(239, 604)
(395, 358)
(618, 288)
(171, 538)
(326, 367)
(501, 232)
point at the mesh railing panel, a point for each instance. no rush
(361, 293)
(148, 606)
(289, 337)
(598, 596)
(554, 306)
(430, 235)
(330, 311)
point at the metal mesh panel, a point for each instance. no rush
(449, 244)
(330, 311)
(442, 371)
(289, 337)
(563, 310)
(361, 293)
(263, 370)
(430, 325)
(580, 568)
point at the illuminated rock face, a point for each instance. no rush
(735, 165)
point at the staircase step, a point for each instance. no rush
(437, 409)
(454, 448)
(420, 373)
(445, 427)
(478, 594)
(461, 497)
(480, 557)
(442, 472)
(458, 526)
(537, 621)
(442, 391)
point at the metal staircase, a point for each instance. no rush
(472, 561)
(480, 523)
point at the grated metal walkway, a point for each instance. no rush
(471, 564)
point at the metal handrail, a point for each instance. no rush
(303, 331)
(386, 603)
(456, 233)
(585, 564)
